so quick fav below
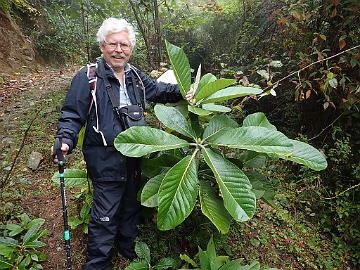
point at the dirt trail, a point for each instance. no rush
(23, 100)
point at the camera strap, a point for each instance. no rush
(114, 101)
(136, 88)
(128, 115)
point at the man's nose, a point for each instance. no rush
(118, 47)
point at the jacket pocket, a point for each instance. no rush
(105, 163)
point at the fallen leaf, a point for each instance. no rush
(342, 44)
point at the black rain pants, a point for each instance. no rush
(114, 219)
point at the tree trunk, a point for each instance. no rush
(142, 32)
(158, 43)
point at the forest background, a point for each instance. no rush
(306, 51)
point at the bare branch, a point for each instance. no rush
(343, 192)
(314, 63)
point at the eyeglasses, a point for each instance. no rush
(113, 45)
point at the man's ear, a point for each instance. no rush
(101, 48)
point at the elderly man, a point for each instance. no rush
(115, 178)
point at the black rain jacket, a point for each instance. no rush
(105, 163)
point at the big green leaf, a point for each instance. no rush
(6, 251)
(180, 65)
(188, 260)
(213, 208)
(299, 152)
(232, 92)
(209, 259)
(234, 185)
(199, 111)
(258, 139)
(232, 265)
(14, 229)
(204, 259)
(138, 265)
(260, 185)
(34, 227)
(23, 262)
(72, 178)
(307, 155)
(218, 262)
(173, 119)
(213, 87)
(257, 119)
(81, 135)
(217, 124)
(140, 141)
(252, 159)
(255, 265)
(25, 219)
(210, 249)
(8, 241)
(165, 263)
(142, 251)
(177, 193)
(149, 193)
(74, 222)
(85, 210)
(197, 80)
(151, 167)
(34, 244)
(207, 78)
(5, 265)
(216, 108)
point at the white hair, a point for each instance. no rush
(114, 25)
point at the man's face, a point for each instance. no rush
(117, 50)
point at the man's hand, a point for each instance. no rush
(64, 149)
(189, 95)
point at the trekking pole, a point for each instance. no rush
(61, 160)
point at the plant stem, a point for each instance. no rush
(343, 192)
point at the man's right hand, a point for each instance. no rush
(64, 149)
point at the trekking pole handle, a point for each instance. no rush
(57, 151)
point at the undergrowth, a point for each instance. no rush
(294, 233)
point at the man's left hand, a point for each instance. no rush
(189, 95)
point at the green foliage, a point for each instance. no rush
(9, 5)
(177, 191)
(207, 89)
(20, 243)
(64, 39)
(75, 178)
(209, 260)
(71, 32)
(331, 197)
(246, 36)
(5, 5)
(339, 213)
(143, 262)
(181, 66)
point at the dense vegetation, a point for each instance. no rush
(306, 52)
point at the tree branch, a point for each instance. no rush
(142, 31)
(343, 192)
(314, 63)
